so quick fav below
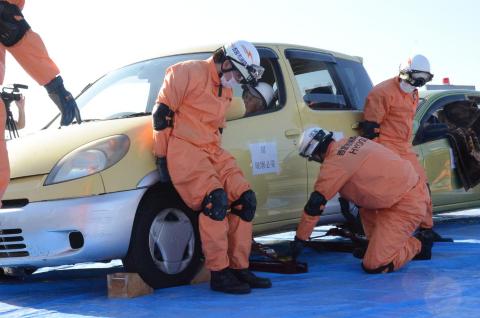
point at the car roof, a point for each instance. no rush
(429, 94)
(213, 47)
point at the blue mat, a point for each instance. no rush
(446, 286)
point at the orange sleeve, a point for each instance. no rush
(174, 88)
(376, 108)
(330, 179)
(171, 93)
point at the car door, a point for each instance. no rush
(330, 93)
(264, 145)
(436, 154)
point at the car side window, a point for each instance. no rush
(446, 114)
(271, 76)
(316, 79)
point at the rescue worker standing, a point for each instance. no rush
(187, 120)
(388, 118)
(28, 49)
(373, 177)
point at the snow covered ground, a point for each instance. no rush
(335, 286)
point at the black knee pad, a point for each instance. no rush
(11, 29)
(381, 269)
(315, 204)
(215, 205)
(245, 206)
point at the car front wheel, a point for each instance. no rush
(165, 246)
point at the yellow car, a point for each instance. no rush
(90, 192)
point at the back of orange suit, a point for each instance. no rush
(394, 111)
(196, 162)
(31, 54)
(373, 177)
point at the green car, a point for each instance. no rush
(441, 162)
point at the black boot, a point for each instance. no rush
(426, 238)
(246, 276)
(224, 281)
(359, 252)
(296, 247)
(436, 237)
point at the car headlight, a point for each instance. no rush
(91, 158)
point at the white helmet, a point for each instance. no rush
(244, 58)
(416, 71)
(263, 91)
(314, 141)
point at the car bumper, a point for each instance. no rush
(69, 231)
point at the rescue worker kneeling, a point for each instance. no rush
(187, 120)
(371, 176)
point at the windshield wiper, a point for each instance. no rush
(140, 114)
(86, 120)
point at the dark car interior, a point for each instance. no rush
(458, 121)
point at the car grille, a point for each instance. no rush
(11, 243)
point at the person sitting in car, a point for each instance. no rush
(258, 98)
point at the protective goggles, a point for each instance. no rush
(312, 144)
(250, 73)
(418, 78)
(318, 142)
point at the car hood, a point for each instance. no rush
(38, 153)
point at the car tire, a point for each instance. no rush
(165, 248)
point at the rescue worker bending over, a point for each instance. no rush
(388, 117)
(28, 49)
(377, 179)
(187, 120)
(257, 98)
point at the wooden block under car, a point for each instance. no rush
(127, 285)
(202, 276)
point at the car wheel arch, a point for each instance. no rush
(158, 201)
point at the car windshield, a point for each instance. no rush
(128, 91)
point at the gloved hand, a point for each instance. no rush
(296, 247)
(64, 101)
(162, 169)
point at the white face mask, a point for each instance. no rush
(406, 87)
(228, 83)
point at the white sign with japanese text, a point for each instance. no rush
(264, 158)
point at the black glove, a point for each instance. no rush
(64, 101)
(162, 169)
(296, 247)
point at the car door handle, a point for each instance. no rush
(289, 133)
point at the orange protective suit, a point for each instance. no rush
(394, 110)
(196, 162)
(389, 189)
(31, 54)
